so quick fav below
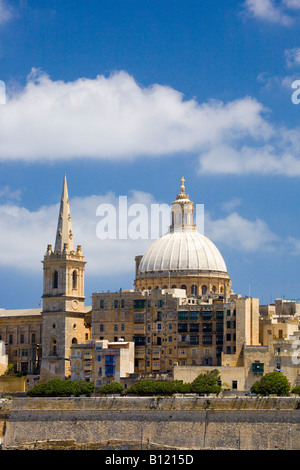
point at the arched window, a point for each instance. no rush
(74, 340)
(183, 287)
(204, 290)
(53, 347)
(214, 289)
(55, 280)
(221, 289)
(174, 287)
(74, 279)
(194, 290)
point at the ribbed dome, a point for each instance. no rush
(181, 251)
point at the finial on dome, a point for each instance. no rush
(182, 187)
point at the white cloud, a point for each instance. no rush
(116, 118)
(240, 233)
(280, 159)
(231, 205)
(25, 234)
(292, 4)
(6, 193)
(271, 11)
(6, 12)
(292, 57)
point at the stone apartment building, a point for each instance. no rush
(102, 362)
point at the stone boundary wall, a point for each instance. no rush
(250, 423)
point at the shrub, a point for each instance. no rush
(273, 383)
(207, 383)
(296, 390)
(153, 387)
(61, 388)
(111, 388)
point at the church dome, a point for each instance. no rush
(182, 251)
(183, 258)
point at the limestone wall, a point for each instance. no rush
(162, 423)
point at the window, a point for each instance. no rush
(204, 290)
(258, 367)
(207, 315)
(74, 279)
(53, 347)
(109, 359)
(101, 303)
(182, 316)
(10, 339)
(22, 339)
(139, 340)
(122, 303)
(234, 385)
(194, 290)
(207, 339)
(206, 327)
(159, 303)
(109, 370)
(139, 303)
(182, 327)
(116, 304)
(219, 314)
(116, 328)
(122, 327)
(228, 337)
(194, 315)
(194, 327)
(194, 340)
(33, 341)
(219, 339)
(101, 328)
(55, 280)
(228, 324)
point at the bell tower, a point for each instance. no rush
(63, 297)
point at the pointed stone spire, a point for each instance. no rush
(64, 234)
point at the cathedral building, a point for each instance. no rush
(182, 314)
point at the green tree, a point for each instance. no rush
(207, 383)
(61, 388)
(111, 388)
(273, 383)
(296, 390)
(153, 387)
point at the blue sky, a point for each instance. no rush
(128, 96)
